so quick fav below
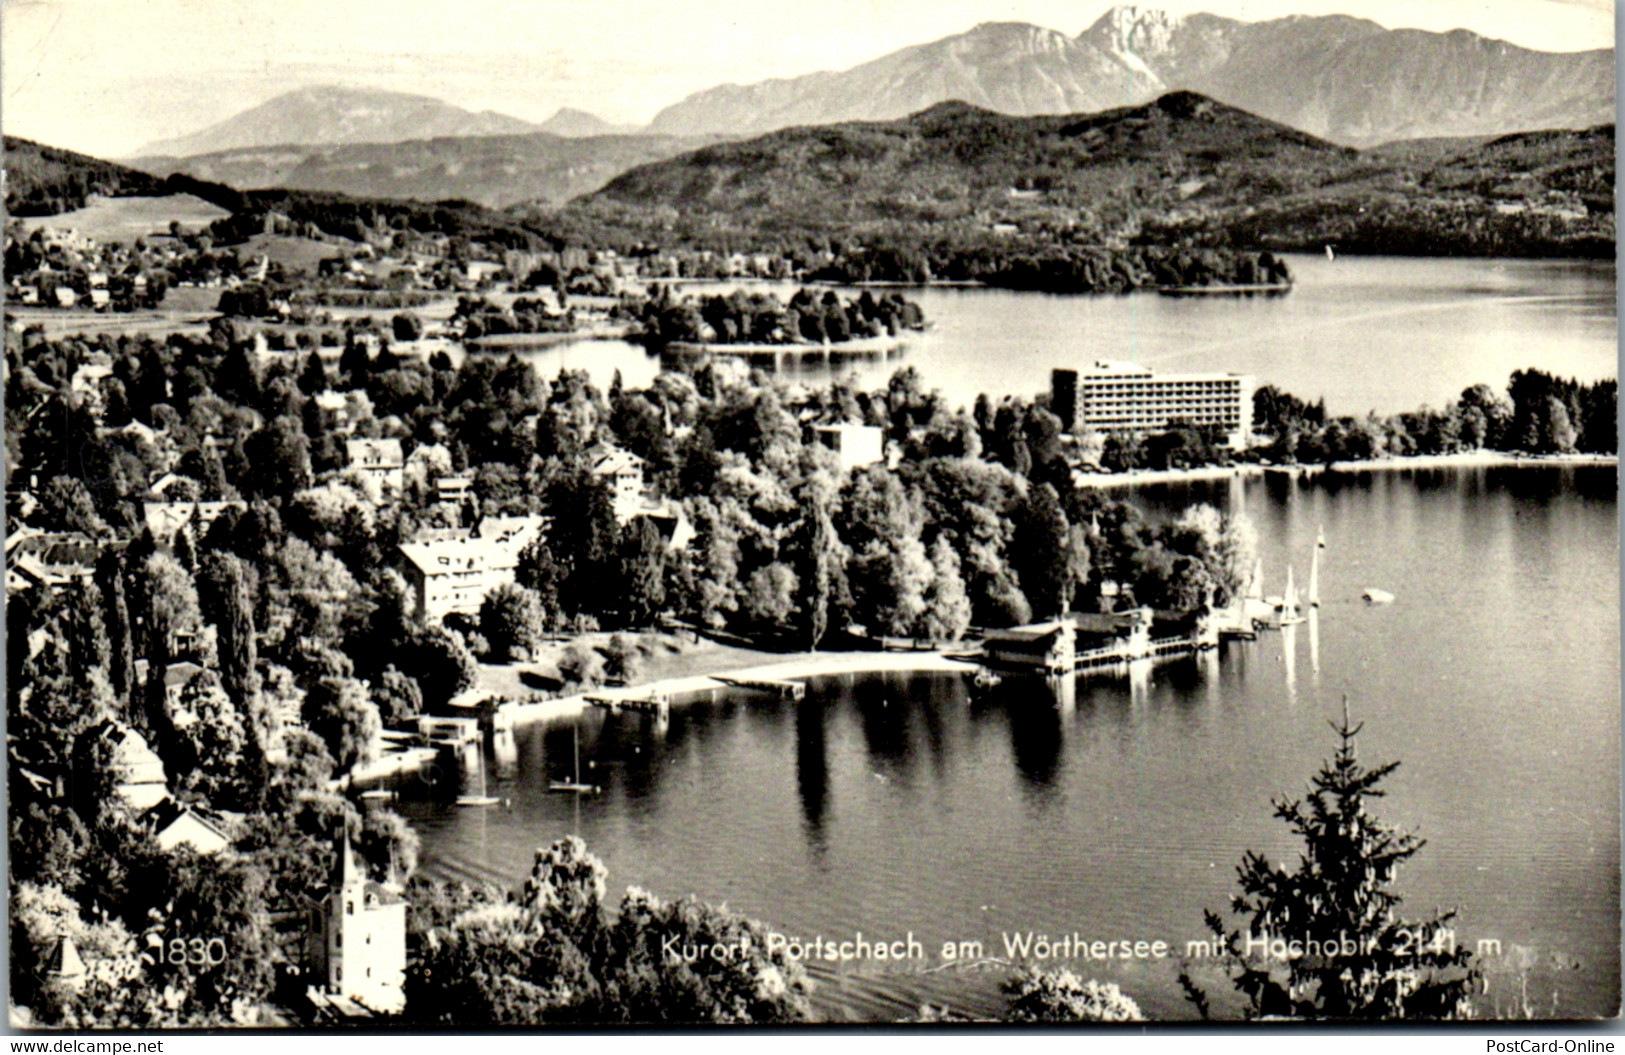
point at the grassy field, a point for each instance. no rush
(294, 254)
(126, 219)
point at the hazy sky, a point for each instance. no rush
(105, 76)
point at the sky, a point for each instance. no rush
(106, 76)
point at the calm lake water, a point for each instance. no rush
(1366, 333)
(1118, 808)
(896, 804)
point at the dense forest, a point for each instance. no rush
(1539, 414)
(1023, 264)
(761, 318)
(45, 181)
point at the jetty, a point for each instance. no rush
(657, 704)
(784, 690)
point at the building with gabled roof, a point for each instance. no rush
(381, 459)
(513, 532)
(138, 772)
(621, 468)
(49, 559)
(451, 570)
(173, 824)
(166, 518)
(454, 575)
(64, 966)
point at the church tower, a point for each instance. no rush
(363, 947)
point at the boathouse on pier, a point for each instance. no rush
(1048, 647)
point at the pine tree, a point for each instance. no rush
(1340, 896)
(819, 560)
(83, 626)
(643, 571)
(121, 652)
(238, 648)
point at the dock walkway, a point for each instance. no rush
(784, 689)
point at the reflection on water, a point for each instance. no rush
(1119, 803)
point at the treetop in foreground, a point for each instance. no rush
(1325, 940)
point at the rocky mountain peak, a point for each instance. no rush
(1128, 28)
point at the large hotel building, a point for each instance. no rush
(1125, 397)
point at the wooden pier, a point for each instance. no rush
(784, 690)
(657, 705)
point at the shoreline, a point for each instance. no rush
(826, 664)
(822, 664)
(1474, 460)
(1459, 460)
(867, 345)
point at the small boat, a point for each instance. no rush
(574, 784)
(1376, 596)
(1330, 254)
(379, 795)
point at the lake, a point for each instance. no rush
(1117, 807)
(1366, 333)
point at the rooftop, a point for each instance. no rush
(375, 454)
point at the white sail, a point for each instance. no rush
(1314, 569)
(1289, 600)
(1255, 585)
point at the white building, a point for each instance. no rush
(1125, 397)
(138, 773)
(624, 472)
(855, 445)
(361, 938)
(454, 574)
(381, 459)
(167, 518)
(173, 825)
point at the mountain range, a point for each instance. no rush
(1184, 169)
(974, 193)
(493, 170)
(1345, 79)
(332, 115)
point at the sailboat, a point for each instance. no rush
(1290, 613)
(1255, 607)
(482, 799)
(574, 783)
(1314, 569)
(1330, 254)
